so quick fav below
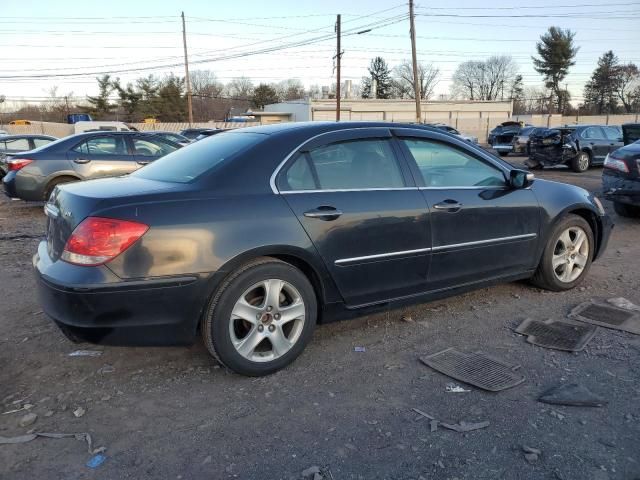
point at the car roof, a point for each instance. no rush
(315, 128)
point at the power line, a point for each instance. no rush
(529, 7)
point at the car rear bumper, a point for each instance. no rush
(25, 186)
(162, 311)
(621, 189)
(9, 185)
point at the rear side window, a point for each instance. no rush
(592, 133)
(15, 144)
(151, 148)
(350, 165)
(102, 146)
(445, 166)
(612, 133)
(187, 164)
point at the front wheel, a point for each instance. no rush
(567, 255)
(581, 162)
(261, 318)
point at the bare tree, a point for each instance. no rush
(428, 76)
(290, 89)
(484, 80)
(205, 83)
(628, 85)
(240, 88)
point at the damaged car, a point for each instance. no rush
(621, 174)
(578, 146)
(501, 137)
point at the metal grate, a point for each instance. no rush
(560, 335)
(607, 316)
(475, 369)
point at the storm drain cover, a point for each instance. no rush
(475, 369)
(559, 335)
(607, 316)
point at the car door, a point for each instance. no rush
(481, 227)
(147, 149)
(104, 155)
(594, 139)
(614, 137)
(356, 200)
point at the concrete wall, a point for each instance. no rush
(299, 109)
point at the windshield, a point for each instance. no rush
(190, 162)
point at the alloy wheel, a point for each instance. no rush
(570, 254)
(583, 161)
(267, 320)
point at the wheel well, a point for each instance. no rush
(60, 179)
(309, 272)
(593, 222)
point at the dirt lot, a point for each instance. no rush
(172, 413)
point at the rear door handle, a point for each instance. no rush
(82, 160)
(324, 212)
(451, 206)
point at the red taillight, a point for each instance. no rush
(97, 240)
(17, 163)
(615, 164)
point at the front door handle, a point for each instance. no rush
(82, 160)
(450, 206)
(324, 212)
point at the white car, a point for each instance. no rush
(453, 131)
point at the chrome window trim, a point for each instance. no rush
(483, 242)
(334, 190)
(272, 180)
(381, 255)
(492, 187)
(342, 261)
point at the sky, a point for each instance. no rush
(67, 43)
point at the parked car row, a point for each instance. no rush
(621, 175)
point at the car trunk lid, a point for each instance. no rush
(71, 203)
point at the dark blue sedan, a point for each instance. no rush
(253, 236)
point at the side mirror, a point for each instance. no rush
(520, 178)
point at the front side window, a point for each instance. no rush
(41, 142)
(349, 165)
(443, 166)
(151, 148)
(102, 146)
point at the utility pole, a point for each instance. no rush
(416, 83)
(186, 71)
(338, 55)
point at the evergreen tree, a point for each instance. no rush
(263, 95)
(557, 53)
(100, 104)
(379, 71)
(600, 92)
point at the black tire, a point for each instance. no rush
(55, 182)
(215, 324)
(625, 210)
(503, 154)
(545, 276)
(581, 162)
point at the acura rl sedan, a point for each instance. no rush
(253, 236)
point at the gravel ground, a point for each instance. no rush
(173, 413)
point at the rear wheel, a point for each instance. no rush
(261, 318)
(625, 210)
(567, 255)
(54, 183)
(581, 162)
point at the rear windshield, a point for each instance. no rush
(188, 163)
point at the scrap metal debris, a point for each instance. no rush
(31, 436)
(622, 302)
(573, 395)
(460, 427)
(85, 353)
